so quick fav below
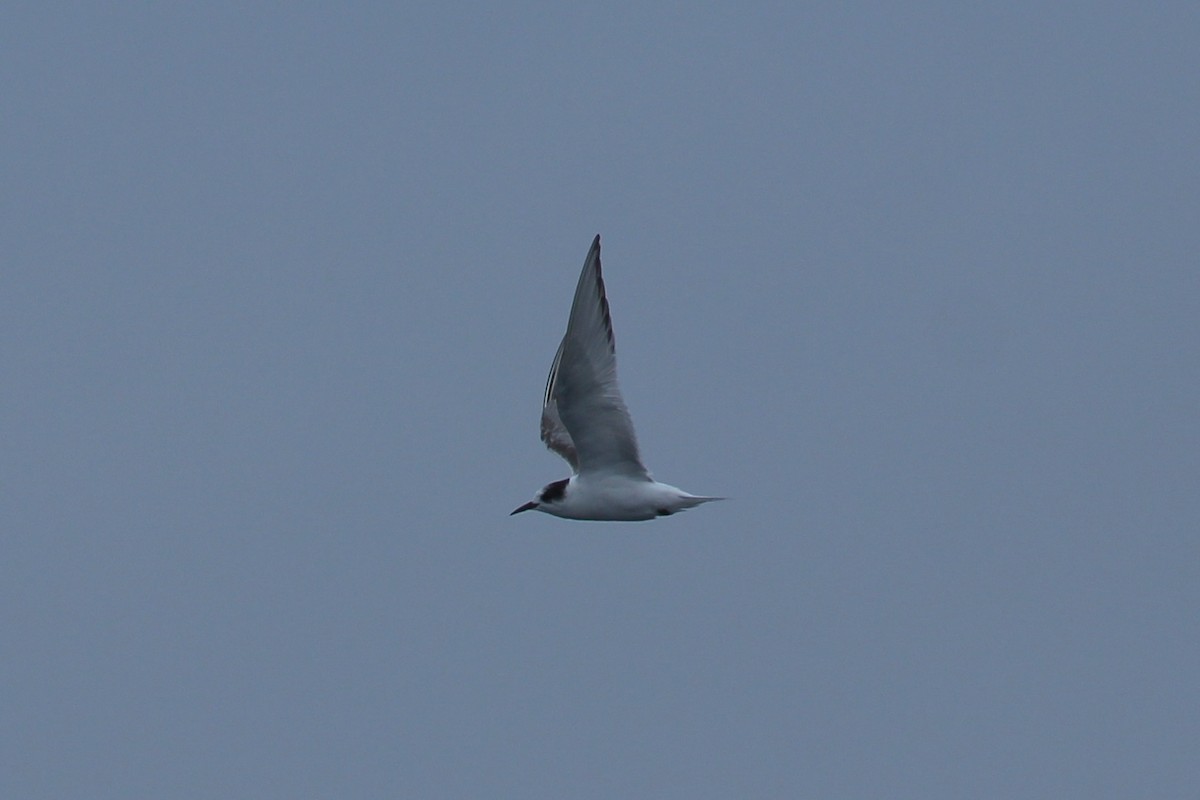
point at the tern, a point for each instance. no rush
(584, 420)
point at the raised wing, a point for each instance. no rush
(584, 418)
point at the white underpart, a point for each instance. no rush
(619, 499)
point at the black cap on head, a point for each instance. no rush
(554, 491)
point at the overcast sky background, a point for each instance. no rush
(917, 286)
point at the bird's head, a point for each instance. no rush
(548, 495)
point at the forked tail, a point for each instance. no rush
(693, 500)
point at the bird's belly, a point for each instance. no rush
(621, 500)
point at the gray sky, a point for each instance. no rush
(917, 287)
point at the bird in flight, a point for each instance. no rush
(584, 420)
